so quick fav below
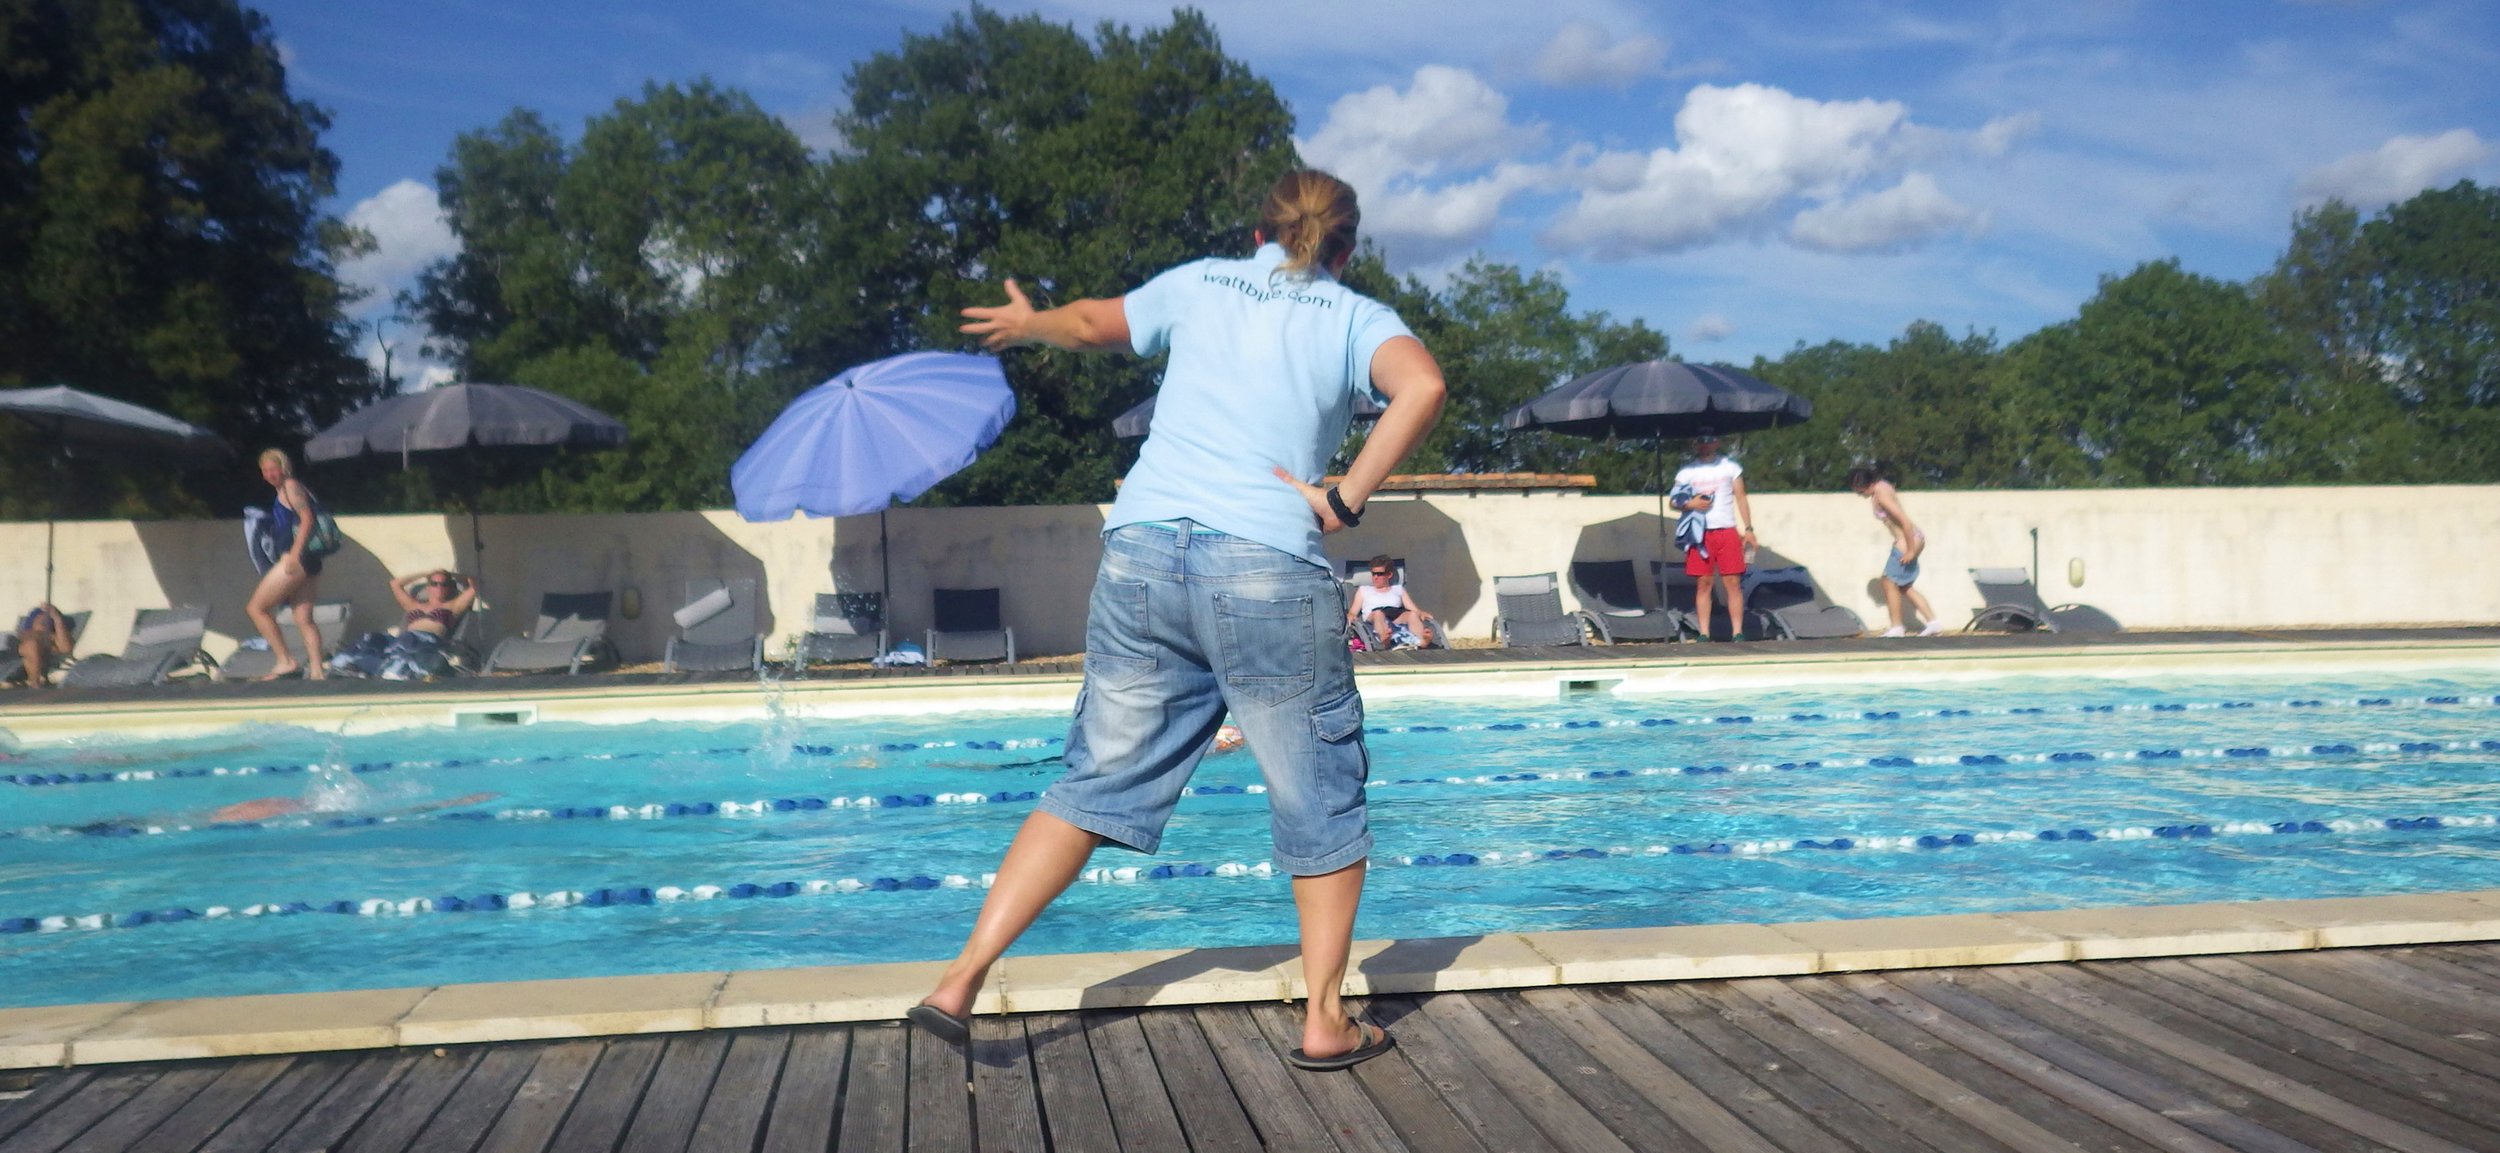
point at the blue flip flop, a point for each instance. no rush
(1348, 1059)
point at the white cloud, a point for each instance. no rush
(1447, 125)
(409, 233)
(1708, 328)
(1584, 55)
(1740, 153)
(1899, 216)
(2397, 169)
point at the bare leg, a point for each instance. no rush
(314, 669)
(1735, 589)
(1892, 603)
(1918, 600)
(1047, 855)
(1327, 904)
(275, 585)
(1380, 625)
(1701, 605)
(32, 650)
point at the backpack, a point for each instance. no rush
(325, 538)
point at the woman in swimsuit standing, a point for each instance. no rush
(1901, 567)
(293, 580)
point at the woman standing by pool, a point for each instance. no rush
(1213, 593)
(1901, 567)
(295, 576)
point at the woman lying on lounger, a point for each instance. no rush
(1213, 592)
(432, 606)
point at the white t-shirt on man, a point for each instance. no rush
(1716, 480)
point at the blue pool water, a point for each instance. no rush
(505, 854)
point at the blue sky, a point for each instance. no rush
(1743, 177)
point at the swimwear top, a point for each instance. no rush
(440, 616)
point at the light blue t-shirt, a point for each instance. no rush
(1264, 369)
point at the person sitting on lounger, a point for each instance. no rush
(433, 605)
(1384, 605)
(42, 639)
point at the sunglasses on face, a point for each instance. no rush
(1382, 572)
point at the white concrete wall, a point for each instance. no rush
(2172, 558)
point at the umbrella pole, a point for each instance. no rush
(1658, 474)
(61, 438)
(885, 570)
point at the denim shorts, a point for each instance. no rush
(1186, 625)
(1898, 573)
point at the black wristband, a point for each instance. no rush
(1336, 504)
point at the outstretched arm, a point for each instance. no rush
(1079, 326)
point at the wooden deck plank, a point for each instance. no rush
(2414, 1009)
(1878, 1089)
(2194, 1098)
(1490, 1117)
(940, 1120)
(491, 1086)
(326, 1121)
(545, 1098)
(2422, 995)
(1623, 1108)
(1274, 1104)
(2288, 1079)
(1967, 1073)
(51, 1088)
(1873, 1054)
(1977, 1038)
(1210, 1115)
(664, 1121)
(402, 1114)
(2484, 986)
(807, 1105)
(1556, 1113)
(71, 1116)
(118, 1130)
(608, 1098)
(258, 1125)
(872, 1095)
(1006, 1117)
(1142, 1114)
(1762, 1111)
(1851, 1121)
(1383, 1106)
(1070, 1088)
(199, 1119)
(2387, 1078)
(733, 1117)
(2264, 992)
(1684, 1103)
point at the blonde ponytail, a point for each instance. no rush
(1312, 215)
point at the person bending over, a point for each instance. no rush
(1213, 593)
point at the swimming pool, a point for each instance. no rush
(439, 856)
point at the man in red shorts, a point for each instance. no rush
(1717, 484)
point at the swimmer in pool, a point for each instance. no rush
(265, 808)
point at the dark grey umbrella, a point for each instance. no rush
(1136, 421)
(448, 424)
(1661, 400)
(82, 420)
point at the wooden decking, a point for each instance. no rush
(2337, 1050)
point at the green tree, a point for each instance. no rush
(2165, 378)
(1001, 147)
(661, 270)
(1928, 406)
(160, 233)
(2438, 276)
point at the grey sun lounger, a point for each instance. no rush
(13, 665)
(968, 627)
(1528, 610)
(847, 627)
(1681, 591)
(571, 634)
(1611, 595)
(162, 643)
(1357, 577)
(329, 619)
(2012, 604)
(1782, 603)
(717, 630)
